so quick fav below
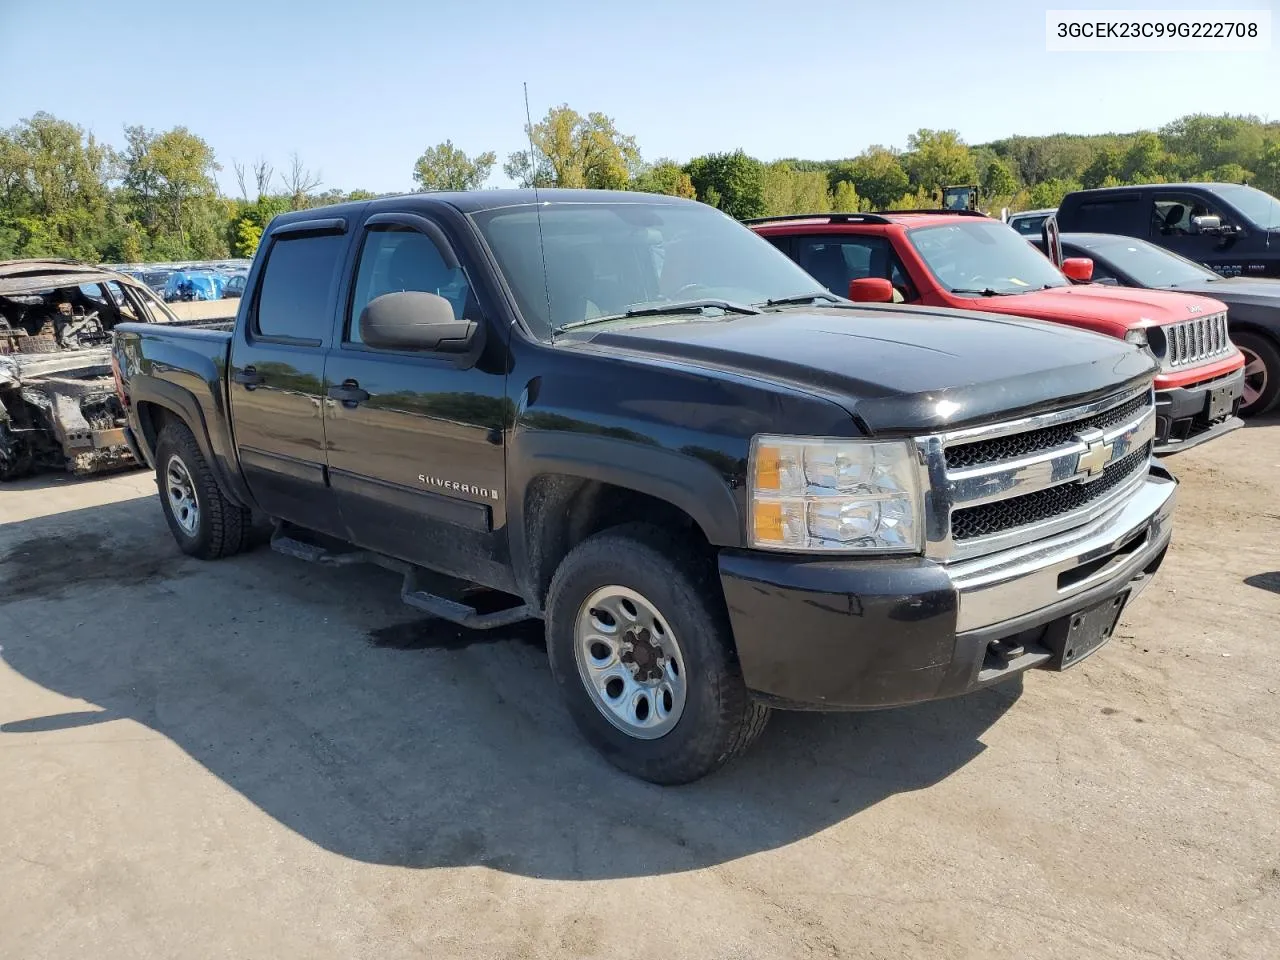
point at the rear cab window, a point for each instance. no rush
(295, 297)
(1105, 215)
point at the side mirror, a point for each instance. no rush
(411, 320)
(1079, 269)
(871, 290)
(1207, 224)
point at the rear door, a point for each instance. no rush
(276, 380)
(415, 438)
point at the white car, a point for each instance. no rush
(1029, 222)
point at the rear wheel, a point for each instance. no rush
(642, 654)
(1261, 372)
(204, 523)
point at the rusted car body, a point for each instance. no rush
(58, 405)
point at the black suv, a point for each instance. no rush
(1232, 229)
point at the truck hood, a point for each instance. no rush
(900, 370)
(1111, 310)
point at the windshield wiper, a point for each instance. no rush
(988, 292)
(661, 309)
(801, 298)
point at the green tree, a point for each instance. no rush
(1106, 163)
(998, 180)
(1268, 176)
(1231, 173)
(665, 176)
(1145, 161)
(169, 180)
(876, 174)
(732, 182)
(845, 199)
(1049, 193)
(570, 150)
(1202, 143)
(937, 158)
(787, 190)
(445, 167)
(53, 189)
(921, 199)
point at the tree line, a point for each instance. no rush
(155, 196)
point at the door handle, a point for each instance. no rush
(249, 377)
(349, 393)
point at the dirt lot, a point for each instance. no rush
(259, 758)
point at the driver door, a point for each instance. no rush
(415, 439)
(1172, 227)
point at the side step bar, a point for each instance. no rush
(413, 591)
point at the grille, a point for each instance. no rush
(1004, 515)
(1034, 441)
(1194, 341)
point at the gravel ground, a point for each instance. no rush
(260, 758)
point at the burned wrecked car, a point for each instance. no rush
(58, 405)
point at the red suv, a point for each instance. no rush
(965, 260)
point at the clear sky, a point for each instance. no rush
(360, 89)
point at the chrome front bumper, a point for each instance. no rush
(1048, 574)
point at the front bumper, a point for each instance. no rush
(1182, 413)
(815, 633)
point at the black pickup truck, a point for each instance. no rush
(1231, 228)
(723, 488)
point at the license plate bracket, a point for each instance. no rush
(1220, 402)
(1075, 637)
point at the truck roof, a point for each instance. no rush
(475, 201)
(1134, 187)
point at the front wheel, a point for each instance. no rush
(642, 654)
(1261, 372)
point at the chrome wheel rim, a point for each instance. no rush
(630, 661)
(182, 496)
(1255, 377)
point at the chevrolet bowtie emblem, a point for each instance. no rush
(1096, 456)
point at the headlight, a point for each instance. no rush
(845, 496)
(1136, 337)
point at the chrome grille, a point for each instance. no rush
(994, 487)
(1043, 504)
(1195, 341)
(1035, 441)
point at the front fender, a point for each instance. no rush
(675, 477)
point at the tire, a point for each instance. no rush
(1263, 383)
(204, 523)
(717, 718)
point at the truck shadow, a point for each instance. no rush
(345, 717)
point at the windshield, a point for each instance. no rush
(985, 258)
(1262, 208)
(1149, 265)
(1029, 226)
(603, 259)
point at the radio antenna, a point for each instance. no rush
(537, 208)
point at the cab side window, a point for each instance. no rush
(1173, 215)
(835, 260)
(395, 258)
(293, 299)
